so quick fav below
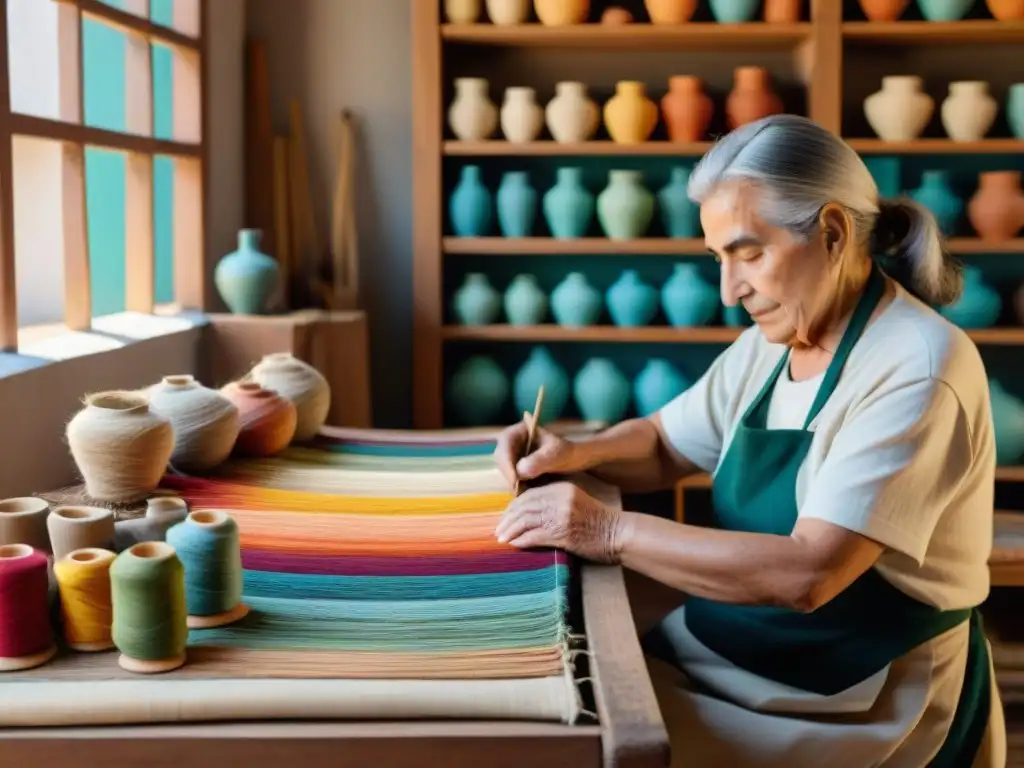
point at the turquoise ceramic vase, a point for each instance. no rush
(944, 10)
(568, 205)
(734, 11)
(575, 302)
(625, 207)
(979, 306)
(476, 302)
(1008, 418)
(631, 302)
(937, 196)
(679, 215)
(601, 392)
(517, 205)
(657, 384)
(478, 391)
(246, 277)
(736, 316)
(525, 302)
(541, 369)
(687, 299)
(471, 207)
(1015, 110)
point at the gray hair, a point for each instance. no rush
(802, 167)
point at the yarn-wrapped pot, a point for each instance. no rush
(301, 383)
(267, 420)
(206, 423)
(121, 447)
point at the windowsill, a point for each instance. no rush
(45, 345)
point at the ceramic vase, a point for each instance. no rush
(521, 116)
(572, 116)
(679, 215)
(472, 115)
(540, 369)
(968, 111)
(632, 303)
(629, 115)
(568, 205)
(516, 204)
(471, 208)
(979, 306)
(601, 391)
(560, 13)
(246, 277)
(883, 10)
(687, 299)
(478, 391)
(625, 207)
(782, 11)
(670, 11)
(735, 316)
(525, 303)
(508, 13)
(1008, 420)
(575, 303)
(936, 195)
(900, 110)
(656, 385)
(751, 97)
(267, 419)
(1006, 10)
(462, 11)
(476, 302)
(300, 382)
(205, 422)
(616, 16)
(996, 210)
(686, 109)
(734, 11)
(1015, 109)
(944, 10)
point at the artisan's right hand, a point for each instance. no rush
(551, 454)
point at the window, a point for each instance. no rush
(101, 142)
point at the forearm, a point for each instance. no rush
(632, 456)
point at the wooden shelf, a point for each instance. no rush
(969, 32)
(638, 37)
(967, 245)
(502, 148)
(937, 147)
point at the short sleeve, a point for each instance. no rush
(895, 465)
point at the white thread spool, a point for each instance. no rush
(205, 422)
(299, 382)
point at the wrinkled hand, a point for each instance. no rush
(550, 454)
(562, 515)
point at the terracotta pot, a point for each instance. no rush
(782, 11)
(751, 97)
(560, 13)
(996, 211)
(883, 10)
(1006, 10)
(686, 109)
(670, 11)
(614, 15)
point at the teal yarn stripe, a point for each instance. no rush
(383, 588)
(484, 449)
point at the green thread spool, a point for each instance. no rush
(147, 585)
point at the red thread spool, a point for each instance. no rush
(26, 637)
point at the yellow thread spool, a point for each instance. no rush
(83, 580)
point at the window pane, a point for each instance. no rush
(105, 198)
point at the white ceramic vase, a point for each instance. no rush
(900, 110)
(968, 111)
(462, 11)
(572, 116)
(521, 116)
(507, 13)
(472, 115)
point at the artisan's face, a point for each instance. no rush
(784, 284)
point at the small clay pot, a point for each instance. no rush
(670, 11)
(686, 109)
(616, 16)
(782, 11)
(996, 210)
(883, 10)
(751, 97)
(1006, 10)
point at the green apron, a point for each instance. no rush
(860, 631)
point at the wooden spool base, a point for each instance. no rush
(237, 613)
(15, 663)
(150, 666)
(99, 645)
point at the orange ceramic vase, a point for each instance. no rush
(629, 115)
(883, 10)
(686, 109)
(560, 13)
(267, 420)
(996, 211)
(1006, 10)
(782, 11)
(616, 16)
(751, 97)
(670, 11)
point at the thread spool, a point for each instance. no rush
(147, 588)
(79, 527)
(299, 382)
(267, 420)
(161, 513)
(208, 546)
(83, 580)
(205, 422)
(26, 637)
(120, 446)
(23, 521)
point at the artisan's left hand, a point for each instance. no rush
(564, 516)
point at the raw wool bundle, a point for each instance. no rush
(301, 383)
(206, 423)
(267, 420)
(121, 447)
